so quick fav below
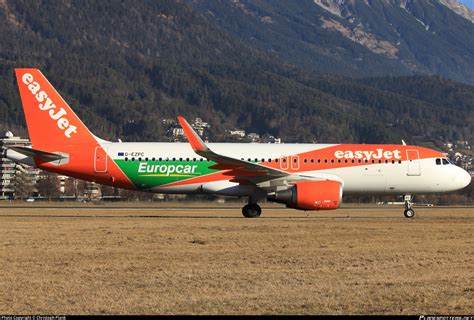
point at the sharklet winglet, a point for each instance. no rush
(194, 139)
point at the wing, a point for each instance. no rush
(242, 171)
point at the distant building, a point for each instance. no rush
(168, 121)
(62, 183)
(449, 146)
(200, 126)
(178, 132)
(270, 139)
(255, 137)
(92, 191)
(237, 132)
(175, 131)
(16, 180)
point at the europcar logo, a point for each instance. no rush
(46, 104)
(377, 154)
(166, 169)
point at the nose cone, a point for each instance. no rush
(463, 179)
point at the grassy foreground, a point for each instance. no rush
(193, 261)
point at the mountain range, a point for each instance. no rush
(356, 38)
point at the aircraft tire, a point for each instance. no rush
(409, 213)
(251, 210)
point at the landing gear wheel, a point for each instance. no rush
(409, 213)
(251, 210)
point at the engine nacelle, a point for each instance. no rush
(311, 195)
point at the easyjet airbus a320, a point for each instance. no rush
(301, 176)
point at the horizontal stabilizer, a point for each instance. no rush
(38, 154)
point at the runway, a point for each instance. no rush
(210, 260)
(229, 212)
(166, 207)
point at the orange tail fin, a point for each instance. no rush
(50, 120)
(54, 128)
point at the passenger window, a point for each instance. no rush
(438, 162)
(445, 161)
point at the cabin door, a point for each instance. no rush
(413, 158)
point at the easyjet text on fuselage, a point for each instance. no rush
(368, 154)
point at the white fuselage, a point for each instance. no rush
(392, 177)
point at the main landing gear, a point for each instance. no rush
(252, 210)
(409, 212)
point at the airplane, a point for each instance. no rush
(300, 176)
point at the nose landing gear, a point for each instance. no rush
(409, 212)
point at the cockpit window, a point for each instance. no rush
(451, 161)
(445, 161)
(438, 162)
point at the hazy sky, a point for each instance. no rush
(469, 3)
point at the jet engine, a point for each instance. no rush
(310, 195)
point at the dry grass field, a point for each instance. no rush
(210, 261)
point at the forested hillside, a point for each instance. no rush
(124, 66)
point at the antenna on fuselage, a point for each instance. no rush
(403, 142)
